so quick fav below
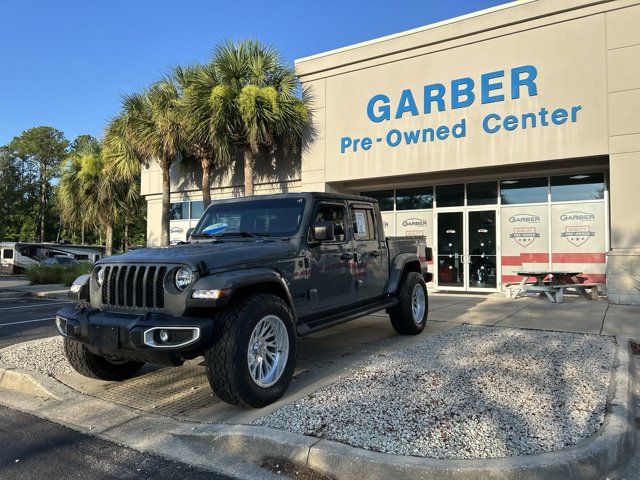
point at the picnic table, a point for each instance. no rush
(554, 286)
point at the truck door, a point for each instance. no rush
(331, 263)
(370, 252)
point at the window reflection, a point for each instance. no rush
(569, 188)
(526, 190)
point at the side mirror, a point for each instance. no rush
(189, 232)
(324, 231)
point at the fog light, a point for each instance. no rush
(164, 336)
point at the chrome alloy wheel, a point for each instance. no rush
(268, 351)
(418, 303)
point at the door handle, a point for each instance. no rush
(374, 254)
(346, 256)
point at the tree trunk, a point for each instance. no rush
(206, 182)
(166, 205)
(43, 205)
(82, 234)
(109, 240)
(125, 246)
(248, 171)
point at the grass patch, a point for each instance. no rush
(42, 274)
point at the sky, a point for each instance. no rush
(67, 63)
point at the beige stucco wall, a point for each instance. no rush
(585, 52)
(623, 75)
(271, 176)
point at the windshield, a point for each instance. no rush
(275, 217)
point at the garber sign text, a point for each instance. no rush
(462, 92)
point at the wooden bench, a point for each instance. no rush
(589, 290)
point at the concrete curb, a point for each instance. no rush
(238, 450)
(595, 456)
(18, 293)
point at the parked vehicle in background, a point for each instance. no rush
(15, 257)
(59, 260)
(256, 274)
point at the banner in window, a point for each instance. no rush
(578, 239)
(524, 240)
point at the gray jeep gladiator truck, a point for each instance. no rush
(255, 274)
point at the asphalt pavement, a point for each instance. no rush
(36, 448)
(25, 318)
(33, 448)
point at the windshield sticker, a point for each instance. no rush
(215, 228)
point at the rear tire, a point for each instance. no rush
(240, 354)
(92, 365)
(409, 317)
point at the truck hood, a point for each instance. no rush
(214, 255)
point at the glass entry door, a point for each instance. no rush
(481, 258)
(451, 250)
(467, 250)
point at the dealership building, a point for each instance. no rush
(510, 138)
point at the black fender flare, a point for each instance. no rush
(397, 269)
(232, 281)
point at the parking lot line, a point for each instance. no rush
(36, 305)
(26, 321)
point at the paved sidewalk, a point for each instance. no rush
(19, 286)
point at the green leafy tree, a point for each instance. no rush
(149, 127)
(12, 197)
(41, 149)
(256, 104)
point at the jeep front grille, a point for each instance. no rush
(134, 286)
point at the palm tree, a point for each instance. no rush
(196, 83)
(91, 191)
(256, 103)
(148, 127)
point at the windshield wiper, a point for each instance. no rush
(205, 235)
(245, 233)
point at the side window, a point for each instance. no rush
(336, 214)
(363, 224)
(7, 253)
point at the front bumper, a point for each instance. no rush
(134, 336)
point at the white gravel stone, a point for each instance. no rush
(469, 392)
(44, 356)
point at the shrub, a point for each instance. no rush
(43, 274)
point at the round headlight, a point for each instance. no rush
(100, 276)
(183, 278)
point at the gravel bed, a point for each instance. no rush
(44, 356)
(469, 392)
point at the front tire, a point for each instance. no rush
(252, 358)
(92, 365)
(409, 317)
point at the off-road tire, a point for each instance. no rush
(92, 365)
(402, 315)
(226, 360)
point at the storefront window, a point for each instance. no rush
(384, 197)
(527, 190)
(577, 187)
(450, 195)
(484, 193)
(196, 210)
(414, 198)
(180, 211)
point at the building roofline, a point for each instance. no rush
(412, 31)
